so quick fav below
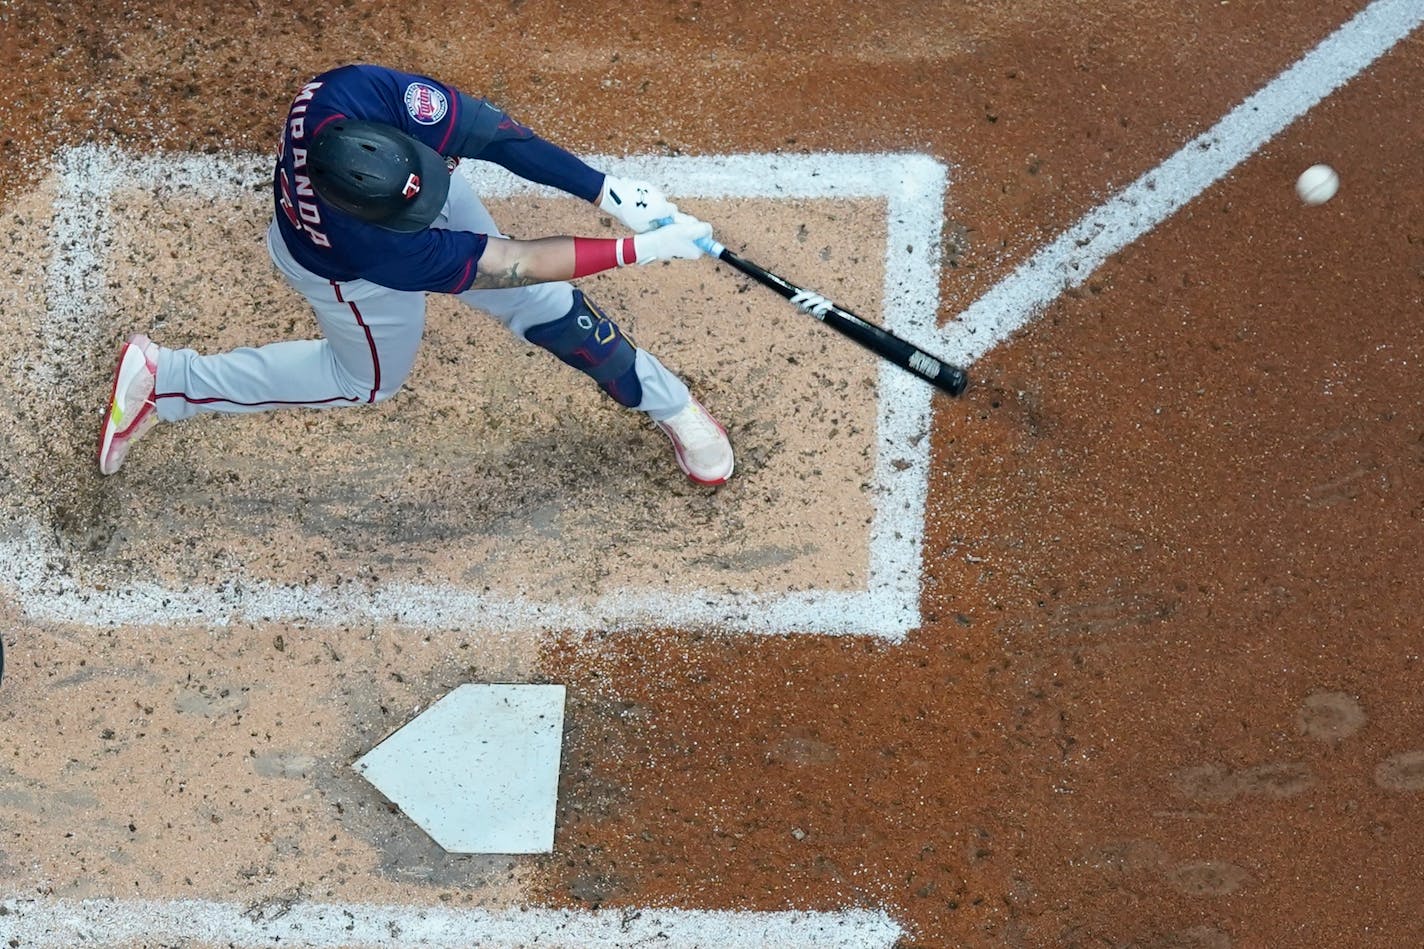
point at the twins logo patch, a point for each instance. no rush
(426, 104)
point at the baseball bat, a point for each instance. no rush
(878, 340)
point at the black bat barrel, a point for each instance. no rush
(887, 345)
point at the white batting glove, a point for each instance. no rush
(637, 204)
(676, 240)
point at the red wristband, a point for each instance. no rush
(596, 254)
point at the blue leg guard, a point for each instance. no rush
(588, 340)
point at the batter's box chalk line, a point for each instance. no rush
(60, 924)
(912, 188)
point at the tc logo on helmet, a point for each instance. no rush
(412, 187)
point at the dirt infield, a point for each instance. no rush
(1164, 691)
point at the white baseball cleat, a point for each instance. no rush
(131, 410)
(700, 442)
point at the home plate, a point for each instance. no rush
(479, 770)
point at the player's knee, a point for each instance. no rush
(588, 340)
(363, 388)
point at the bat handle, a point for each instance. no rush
(712, 248)
(709, 246)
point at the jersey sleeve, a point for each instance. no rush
(434, 260)
(545, 163)
(489, 134)
(454, 123)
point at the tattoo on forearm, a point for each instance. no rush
(497, 281)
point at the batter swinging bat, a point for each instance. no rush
(880, 341)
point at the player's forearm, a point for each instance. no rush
(511, 263)
(515, 263)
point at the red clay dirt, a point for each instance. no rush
(1166, 692)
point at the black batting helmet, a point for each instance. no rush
(379, 174)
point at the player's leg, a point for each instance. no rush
(559, 318)
(371, 336)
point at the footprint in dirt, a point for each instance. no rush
(1189, 877)
(1401, 772)
(1324, 715)
(1212, 782)
(1330, 716)
(1334, 716)
(1206, 877)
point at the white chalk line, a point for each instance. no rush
(1068, 261)
(67, 923)
(912, 187)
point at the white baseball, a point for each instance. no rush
(1317, 184)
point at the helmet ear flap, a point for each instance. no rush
(378, 174)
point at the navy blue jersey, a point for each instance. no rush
(338, 246)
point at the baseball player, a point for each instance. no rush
(369, 217)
